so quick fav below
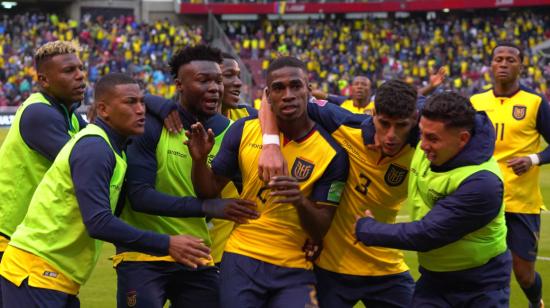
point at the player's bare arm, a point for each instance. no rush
(271, 162)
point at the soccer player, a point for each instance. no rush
(54, 250)
(263, 263)
(161, 194)
(348, 272)
(42, 126)
(359, 102)
(520, 117)
(231, 76)
(230, 107)
(456, 197)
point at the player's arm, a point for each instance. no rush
(209, 182)
(92, 164)
(436, 79)
(520, 165)
(271, 161)
(331, 98)
(317, 210)
(44, 129)
(473, 205)
(164, 110)
(543, 127)
(144, 197)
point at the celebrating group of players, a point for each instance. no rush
(213, 205)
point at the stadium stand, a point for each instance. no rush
(397, 48)
(123, 44)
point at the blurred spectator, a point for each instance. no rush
(122, 44)
(336, 50)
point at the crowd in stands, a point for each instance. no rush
(336, 50)
(122, 45)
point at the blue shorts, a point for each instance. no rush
(427, 295)
(26, 296)
(523, 235)
(341, 290)
(150, 284)
(249, 283)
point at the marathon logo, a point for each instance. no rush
(519, 112)
(302, 169)
(395, 175)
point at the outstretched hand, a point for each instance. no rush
(199, 142)
(437, 78)
(237, 210)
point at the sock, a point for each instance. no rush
(534, 292)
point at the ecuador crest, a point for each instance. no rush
(395, 175)
(519, 112)
(301, 169)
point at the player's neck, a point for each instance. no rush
(360, 103)
(296, 129)
(506, 89)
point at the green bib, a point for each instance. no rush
(22, 169)
(173, 178)
(474, 249)
(53, 228)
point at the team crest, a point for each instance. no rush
(131, 298)
(395, 175)
(302, 169)
(519, 112)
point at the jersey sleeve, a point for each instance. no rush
(336, 99)
(44, 129)
(328, 189)
(330, 117)
(158, 106)
(92, 163)
(226, 162)
(543, 127)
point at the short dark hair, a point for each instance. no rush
(508, 44)
(196, 53)
(286, 62)
(109, 81)
(395, 98)
(450, 108)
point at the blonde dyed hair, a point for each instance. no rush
(54, 48)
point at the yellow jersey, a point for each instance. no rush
(348, 105)
(519, 122)
(375, 182)
(277, 237)
(220, 229)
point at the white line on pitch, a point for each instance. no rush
(543, 258)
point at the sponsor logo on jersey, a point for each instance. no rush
(395, 175)
(302, 169)
(519, 112)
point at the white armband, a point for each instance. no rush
(535, 160)
(270, 139)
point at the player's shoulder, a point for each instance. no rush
(525, 90)
(328, 139)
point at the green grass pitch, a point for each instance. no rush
(100, 291)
